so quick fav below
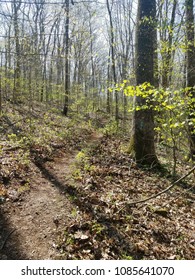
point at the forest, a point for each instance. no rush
(97, 129)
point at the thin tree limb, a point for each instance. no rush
(164, 191)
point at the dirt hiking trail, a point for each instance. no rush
(32, 222)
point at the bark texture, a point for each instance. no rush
(142, 141)
(191, 69)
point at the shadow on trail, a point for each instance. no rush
(86, 205)
(9, 243)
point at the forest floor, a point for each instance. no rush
(39, 214)
(68, 197)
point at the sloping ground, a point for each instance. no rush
(65, 194)
(32, 208)
(107, 227)
(33, 218)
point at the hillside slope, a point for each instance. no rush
(65, 190)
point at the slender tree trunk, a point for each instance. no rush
(108, 92)
(167, 55)
(17, 72)
(112, 44)
(67, 73)
(92, 66)
(1, 86)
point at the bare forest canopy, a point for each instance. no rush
(85, 56)
(40, 41)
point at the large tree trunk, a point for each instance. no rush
(191, 69)
(142, 141)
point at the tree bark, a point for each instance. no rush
(113, 59)
(190, 65)
(17, 72)
(142, 141)
(67, 68)
(166, 73)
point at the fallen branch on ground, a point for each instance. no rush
(164, 191)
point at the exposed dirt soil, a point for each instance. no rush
(31, 222)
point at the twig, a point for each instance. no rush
(164, 191)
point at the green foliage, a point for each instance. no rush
(125, 256)
(82, 161)
(166, 103)
(81, 158)
(97, 228)
(173, 111)
(110, 128)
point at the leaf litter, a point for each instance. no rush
(163, 228)
(102, 224)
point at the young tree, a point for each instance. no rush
(125, 26)
(67, 72)
(166, 34)
(142, 141)
(17, 72)
(113, 57)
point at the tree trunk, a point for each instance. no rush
(108, 81)
(166, 75)
(190, 65)
(1, 86)
(17, 72)
(142, 141)
(67, 72)
(112, 44)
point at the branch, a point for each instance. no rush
(164, 191)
